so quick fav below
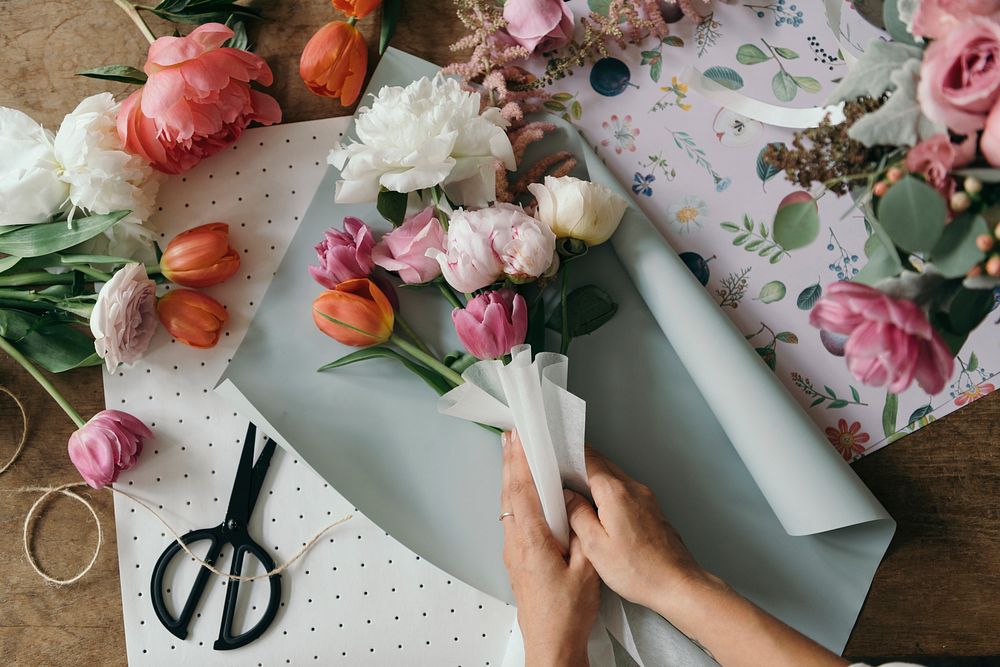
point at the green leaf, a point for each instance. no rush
(461, 362)
(589, 308)
(765, 170)
(49, 237)
(554, 106)
(779, 253)
(973, 362)
(562, 97)
(968, 308)
(119, 73)
(807, 83)
(656, 69)
(240, 40)
(796, 225)
(7, 263)
(56, 345)
(889, 411)
(772, 291)
(913, 213)
(855, 394)
(809, 296)
(673, 40)
(870, 75)
(767, 354)
(883, 260)
(390, 17)
(765, 250)
(920, 413)
(819, 399)
(753, 245)
(600, 7)
(830, 391)
(741, 239)
(536, 327)
(839, 403)
(435, 381)
(894, 24)
(785, 53)
(956, 252)
(391, 205)
(725, 76)
(729, 227)
(750, 54)
(787, 337)
(747, 223)
(784, 86)
(576, 110)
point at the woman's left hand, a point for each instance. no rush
(557, 594)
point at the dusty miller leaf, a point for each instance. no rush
(871, 75)
(898, 122)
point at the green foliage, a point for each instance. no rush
(724, 76)
(202, 11)
(870, 75)
(772, 292)
(390, 16)
(898, 122)
(756, 238)
(51, 237)
(750, 54)
(391, 205)
(956, 252)
(889, 411)
(809, 296)
(796, 225)
(589, 309)
(119, 73)
(435, 381)
(913, 214)
(55, 344)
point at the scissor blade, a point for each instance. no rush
(240, 503)
(260, 472)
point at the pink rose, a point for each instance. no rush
(890, 342)
(936, 157)
(934, 19)
(196, 101)
(989, 142)
(344, 255)
(124, 317)
(960, 76)
(492, 323)
(404, 249)
(106, 445)
(541, 25)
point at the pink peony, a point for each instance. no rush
(960, 76)
(492, 323)
(106, 445)
(934, 19)
(541, 25)
(197, 100)
(404, 249)
(890, 342)
(936, 157)
(344, 255)
(124, 317)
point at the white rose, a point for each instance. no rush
(577, 209)
(429, 133)
(30, 189)
(124, 317)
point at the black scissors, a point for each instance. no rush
(233, 531)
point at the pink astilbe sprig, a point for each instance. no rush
(556, 164)
(526, 135)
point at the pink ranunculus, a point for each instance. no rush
(890, 341)
(492, 323)
(989, 142)
(960, 76)
(936, 157)
(538, 25)
(196, 101)
(124, 317)
(106, 445)
(344, 255)
(404, 249)
(934, 19)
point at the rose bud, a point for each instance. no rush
(588, 212)
(404, 249)
(356, 8)
(492, 323)
(334, 62)
(344, 255)
(200, 256)
(106, 445)
(355, 313)
(193, 318)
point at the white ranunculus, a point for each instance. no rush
(429, 133)
(30, 189)
(124, 318)
(576, 209)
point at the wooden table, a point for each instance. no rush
(937, 592)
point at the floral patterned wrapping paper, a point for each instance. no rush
(697, 170)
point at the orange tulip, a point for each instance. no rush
(356, 8)
(200, 257)
(355, 313)
(193, 318)
(335, 61)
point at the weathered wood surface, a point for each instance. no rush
(936, 593)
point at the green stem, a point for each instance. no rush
(33, 301)
(564, 310)
(36, 278)
(133, 13)
(412, 335)
(448, 294)
(42, 380)
(99, 276)
(427, 360)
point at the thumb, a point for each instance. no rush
(583, 520)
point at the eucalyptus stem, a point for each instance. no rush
(448, 294)
(564, 310)
(412, 335)
(16, 355)
(427, 360)
(133, 13)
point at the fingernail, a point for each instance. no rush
(505, 439)
(567, 495)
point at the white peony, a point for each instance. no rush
(576, 209)
(429, 133)
(30, 189)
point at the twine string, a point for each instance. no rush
(24, 431)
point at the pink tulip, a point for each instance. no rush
(196, 101)
(492, 323)
(538, 25)
(890, 341)
(404, 249)
(344, 255)
(106, 445)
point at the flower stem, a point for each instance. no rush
(36, 278)
(133, 14)
(91, 272)
(427, 360)
(564, 310)
(16, 355)
(448, 294)
(412, 335)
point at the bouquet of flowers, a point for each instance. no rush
(918, 149)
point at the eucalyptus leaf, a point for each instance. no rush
(913, 214)
(589, 308)
(808, 84)
(50, 237)
(786, 53)
(784, 86)
(956, 251)
(796, 225)
(870, 75)
(772, 292)
(392, 206)
(894, 24)
(750, 54)
(984, 174)
(724, 76)
(809, 296)
(119, 73)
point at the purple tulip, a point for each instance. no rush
(106, 445)
(344, 255)
(492, 323)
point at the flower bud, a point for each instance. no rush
(960, 202)
(880, 189)
(894, 174)
(106, 445)
(993, 266)
(356, 8)
(972, 185)
(984, 242)
(193, 318)
(355, 313)
(200, 257)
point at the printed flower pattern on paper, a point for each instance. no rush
(974, 393)
(687, 214)
(623, 134)
(971, 383)
(784, 14)
(642, 184)
(674, 95)
(849, 440)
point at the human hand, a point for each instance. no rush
(557, 594)
(627, 539)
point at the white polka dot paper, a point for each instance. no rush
(358, 597)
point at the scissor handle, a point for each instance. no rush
(179, 626)
(227, 640)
